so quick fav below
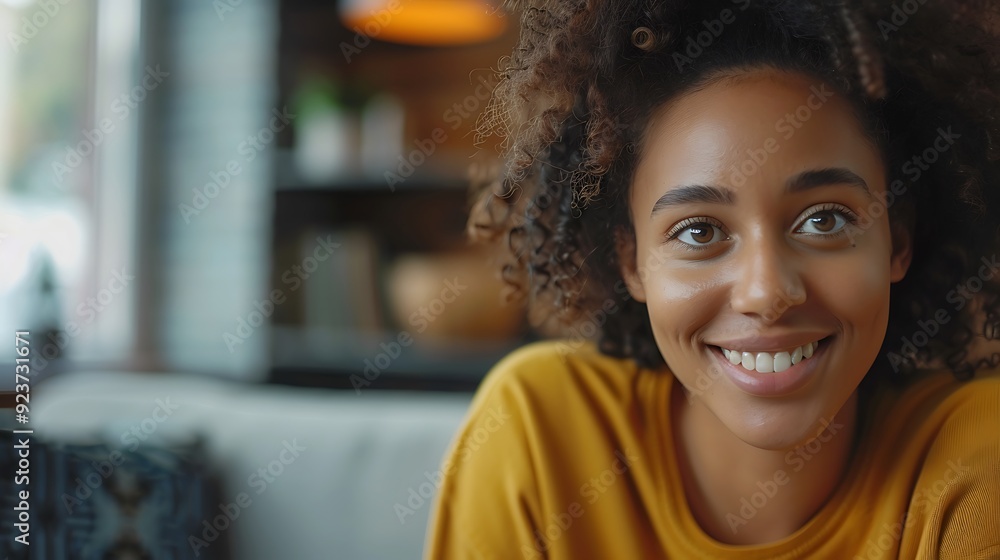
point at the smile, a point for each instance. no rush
(772, 374)
(770, 362)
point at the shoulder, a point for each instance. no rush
(968, 413)
(552, 393)
(979, 397)
(530, 415)
(970, 424)
(558, 369)
(561, 354)
(951, 417)
(957, 491)
(938, 404)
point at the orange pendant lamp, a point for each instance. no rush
(435, 23)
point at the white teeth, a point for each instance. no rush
(768, 362)
(797, 355)
(734, 357)
(782, 361)
(764, 362)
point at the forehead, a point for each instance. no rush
(754, 130)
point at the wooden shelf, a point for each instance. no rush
(305, 356)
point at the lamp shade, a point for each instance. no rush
(424, 22)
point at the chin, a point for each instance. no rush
(770, 424)
(776, 427)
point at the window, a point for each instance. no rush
(67, 175)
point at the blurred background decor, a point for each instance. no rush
(235, 233)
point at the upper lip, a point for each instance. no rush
(770, 343)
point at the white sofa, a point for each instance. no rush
(347, 494)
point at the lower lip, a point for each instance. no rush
(772, 384)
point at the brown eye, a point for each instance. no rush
(825, 222)
(700, 233)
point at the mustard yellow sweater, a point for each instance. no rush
(567, 454)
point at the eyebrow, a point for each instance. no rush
(824, 177)
(712, 194)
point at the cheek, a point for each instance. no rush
(856, 287)
(681, 301)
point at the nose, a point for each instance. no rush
(768, 280)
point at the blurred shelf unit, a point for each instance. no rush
(371, 200)
(354, 271)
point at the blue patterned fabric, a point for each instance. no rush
(96, 502)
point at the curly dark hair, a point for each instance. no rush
(580, 86)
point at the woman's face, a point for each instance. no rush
(754, 241)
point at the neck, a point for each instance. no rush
(771, 493)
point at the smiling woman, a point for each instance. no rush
(785, 231)
(772, 221)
